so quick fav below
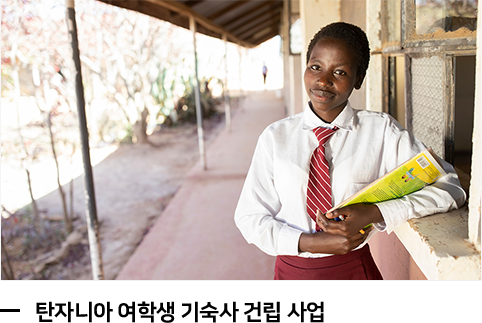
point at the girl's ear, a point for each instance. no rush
(359, 81)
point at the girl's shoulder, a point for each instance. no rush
(286, 129)
(374, 118)
(286, 124)
(371, 114)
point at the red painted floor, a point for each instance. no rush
(195, 237)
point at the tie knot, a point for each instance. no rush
(323, 134)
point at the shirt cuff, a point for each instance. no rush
(394, 214)
(380, 226)
(288, 241)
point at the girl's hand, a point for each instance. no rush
(341, 237)
(357, 217)
(322, 242)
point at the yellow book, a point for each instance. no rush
(417, 172)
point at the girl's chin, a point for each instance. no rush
(327, 112)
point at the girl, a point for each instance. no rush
(279, 208)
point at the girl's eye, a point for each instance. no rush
(315, 67)
(341, 73)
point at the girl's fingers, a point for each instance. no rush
(321, 220)
(327, 225)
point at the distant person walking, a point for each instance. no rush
(265, 72)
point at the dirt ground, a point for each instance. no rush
(133, 185)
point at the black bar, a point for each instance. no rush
(9, 310)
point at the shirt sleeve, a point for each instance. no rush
(255, 214)
(442, 196)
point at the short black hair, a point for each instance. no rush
(353, 35)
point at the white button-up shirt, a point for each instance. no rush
(271, 212)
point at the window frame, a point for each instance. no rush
(410, 47)
(448, 49)
(408, 30)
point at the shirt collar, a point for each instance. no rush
(345, 120)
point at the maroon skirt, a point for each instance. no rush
(355, 265)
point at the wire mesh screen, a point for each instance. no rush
(428, 102)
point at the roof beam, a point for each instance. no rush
(252, 19)
(255, 25)
(249, 12)
(229, 8)
(193, 3)
(180, 9)
(272, 32)
(252, 31)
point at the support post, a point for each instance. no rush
(199, 117)
(91, 211)
(227, 105)
(240, 74)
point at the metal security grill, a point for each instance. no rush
(428, 104)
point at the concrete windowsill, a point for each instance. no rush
(438, 244)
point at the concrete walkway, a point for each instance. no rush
(196, 237)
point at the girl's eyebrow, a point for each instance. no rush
(337, 64)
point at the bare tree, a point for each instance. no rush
(6, 266)
(128, 51)
(14, 43)
(33, 43)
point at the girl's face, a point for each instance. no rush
(330, 77)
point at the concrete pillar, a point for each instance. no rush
(285, 49)
(293, 86)
(200, 132)
(293, 81)
(350, 13)
(314, 15)
(475, 184)
(227, 105)
(374, 78)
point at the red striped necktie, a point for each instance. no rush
(318, 195)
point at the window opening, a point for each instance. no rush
(295, 34)
(439, 22)
(396, 88)
(464, 116)
(434, 16)
(295, 38)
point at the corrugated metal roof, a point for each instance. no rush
(246, 22)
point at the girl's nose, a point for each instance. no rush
(324, 79)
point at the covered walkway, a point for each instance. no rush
(195, 237)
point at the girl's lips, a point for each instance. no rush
(322, 94)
